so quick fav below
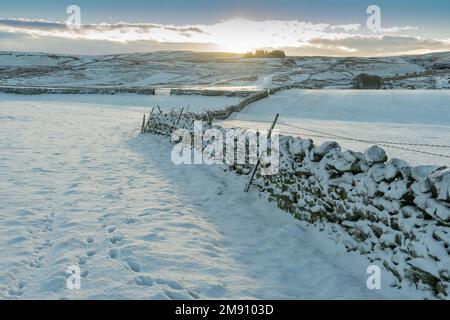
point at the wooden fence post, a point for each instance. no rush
(259, 158)
(209, 118)
(179, 116)
(143, 124)
(148, 120)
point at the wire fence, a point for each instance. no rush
(399, 145)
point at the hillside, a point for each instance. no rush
(212, 70)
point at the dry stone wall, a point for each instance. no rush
(396, 214)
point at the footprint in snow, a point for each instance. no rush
(144, 281)
(82, 260)
(15, 292)
(18, 291)
(113, 253)
(179, 295)
(134, 265)
(152, 237)
(91, 253)
(115, 239)
(130, 221)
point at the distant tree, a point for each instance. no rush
(366, 81)
(277, 54)
(441, 66)
(266, 54)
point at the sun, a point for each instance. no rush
(237, 35)
(237, 48)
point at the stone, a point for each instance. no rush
(397, 258)
(440, 184)
(421, 187)
(378, 229)
(420, 173)
(393, 268)
(371, 187)
(442, 235)
(375, 154)
(424, 270)
(342, 165)
(323, 149)
(394, 223)
(436, 209)
(363, 166)
(417, 249)
(296, 149)
(377, 172)
(442, 211)
(409, 212)
(394, 169)
(442, 289)
(388, 240)
(445, 275)
(395, 190)
(361, 231)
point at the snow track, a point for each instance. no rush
(81, 187)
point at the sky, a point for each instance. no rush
(300, 27)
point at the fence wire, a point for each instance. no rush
(326, 135)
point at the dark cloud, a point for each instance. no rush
(31, 24)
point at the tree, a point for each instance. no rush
(366, 81)
(266, 54)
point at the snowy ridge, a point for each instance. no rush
(217, 70)
(395, 214)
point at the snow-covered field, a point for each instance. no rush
(216, 70)
(411, 119)
(132, 102)
(80, 186)
(173, 69)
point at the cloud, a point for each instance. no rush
(237, 35)
(30, 43)
(372, 45)
(398, 29)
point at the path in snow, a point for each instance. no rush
(81, 187)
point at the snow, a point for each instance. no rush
(81, 187)
(425, 265)
(172, 69)
(442, 82)
(10, 59)
(411, 117)
(180, 69)
(135, 102)
(387, 67)
(158, 78)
